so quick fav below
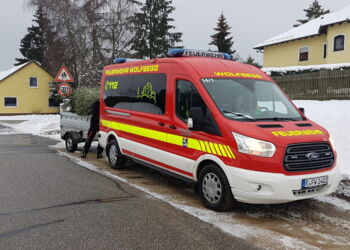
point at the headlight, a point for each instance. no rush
(332, 142)
(248, 145)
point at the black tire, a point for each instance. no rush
(71, 145)
(214, 189)
(115, 158)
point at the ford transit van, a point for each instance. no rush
(224, 125)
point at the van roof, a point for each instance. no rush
(204, 66)
(213, 67)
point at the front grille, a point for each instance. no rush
(308, 156)
(307, 191)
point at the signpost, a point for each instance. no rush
(64, 89)
(64, 77)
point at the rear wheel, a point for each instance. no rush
(214, 189)
(115, 158)
(71, 145)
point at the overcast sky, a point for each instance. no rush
(251, 21)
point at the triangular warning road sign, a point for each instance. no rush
(64, 75)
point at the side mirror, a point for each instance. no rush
(302, 110)
(197, 117)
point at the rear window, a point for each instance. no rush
(144, 93)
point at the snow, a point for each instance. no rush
(6, 73)
(308, 29)
(42, 125)
(308, 67)
(332, 115)
(339, 203)
(335, 117)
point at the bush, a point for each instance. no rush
(83, 98)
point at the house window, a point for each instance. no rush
(339, 42)
(10, 102)
(304, 54)
(54, 102)
(33, 82)
(325, 50)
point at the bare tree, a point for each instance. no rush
(116, 33)
(92, 32)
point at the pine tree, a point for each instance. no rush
(33, 45)
(315, 10)
(250, 60)
(54, 48)
(221, 39)
(42, 44)
(151, 28)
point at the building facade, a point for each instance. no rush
(25, 89)
(325, 40)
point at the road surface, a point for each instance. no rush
(49, 202)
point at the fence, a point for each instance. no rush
(321, 85)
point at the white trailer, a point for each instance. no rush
(74, 128)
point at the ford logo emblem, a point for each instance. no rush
(312, 156)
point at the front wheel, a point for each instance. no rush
(115, 158)
(214, 189)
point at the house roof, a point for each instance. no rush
(311, 28)
(5, 74)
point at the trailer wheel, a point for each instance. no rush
(71, 145)
(115, 158)
(214, 189)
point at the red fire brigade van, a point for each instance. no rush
(227, 126)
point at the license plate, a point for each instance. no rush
(314, 182)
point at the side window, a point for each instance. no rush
(145, 93)
(339, 43)
(188, 97)
(183, 99)
(117, 92)
(149, 93)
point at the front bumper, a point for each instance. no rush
(270, 188)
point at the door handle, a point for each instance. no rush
(172, 127)
(161, 124)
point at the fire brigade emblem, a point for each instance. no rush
(185, 142)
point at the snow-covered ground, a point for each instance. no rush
(43, 125)
(332, 115)
(335, 117)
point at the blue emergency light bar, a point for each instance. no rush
(199, 53)
(124, 60)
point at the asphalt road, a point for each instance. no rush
(48, 202)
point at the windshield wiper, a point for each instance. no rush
(277, 119)
(240, 115)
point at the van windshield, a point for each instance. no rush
(250, 100)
